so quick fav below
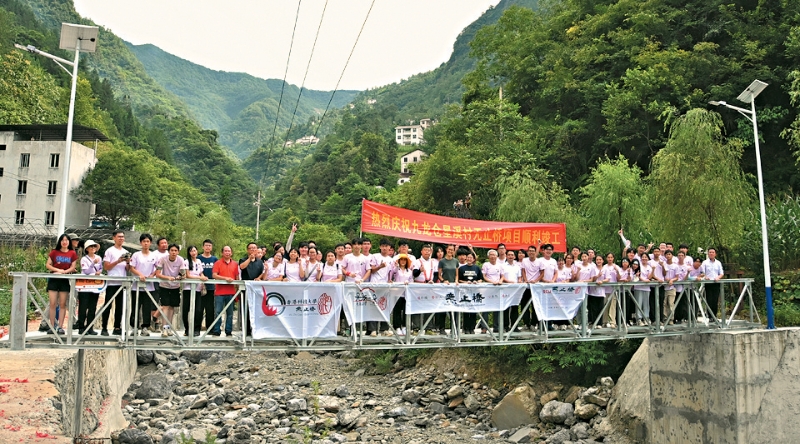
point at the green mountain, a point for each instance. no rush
(242, 108)
(113, 61)
(427, 94)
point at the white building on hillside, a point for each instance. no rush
(412, 134)
(406, 160)
(31, 177)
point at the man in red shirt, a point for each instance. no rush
(228, 270)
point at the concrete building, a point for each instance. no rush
(31, 177)
(412, 134)
(406, 160)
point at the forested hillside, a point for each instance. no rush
(242, 108)
(163, 171)
(604, 123)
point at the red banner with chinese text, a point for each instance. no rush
(399, 222)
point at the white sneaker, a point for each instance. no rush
(374, 334)
(403, 331)
(145, 332)
(388, 333)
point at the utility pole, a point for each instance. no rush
(257, 203)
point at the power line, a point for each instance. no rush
(280, 100)
(302, 85)
(344, 69)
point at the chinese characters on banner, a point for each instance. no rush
(399, 222)
(470, 298)
(557, 302)
(370, 302)
(293, 310)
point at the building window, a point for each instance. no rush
(405, 159)
(22, 187)
(49, 218)
(54, 158)
(19, 217)
(414, 136)
(51, 187)
(405, 170)
(25, 160)
(398, 137)
(415, 159)
(2, 147)
(414, 130)
(1, 172)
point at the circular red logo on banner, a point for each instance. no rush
(382, 303)
(272, 304)
(325, 304)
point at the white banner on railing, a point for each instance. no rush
(467, 298)
(293, 310)
(557, 302)
(371, 302)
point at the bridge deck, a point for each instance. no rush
(736, 297)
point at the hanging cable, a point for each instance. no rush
(344, 69)
(280, 100)
(302, 85)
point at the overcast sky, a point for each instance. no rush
(401, 37)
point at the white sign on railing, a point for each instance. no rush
(293, 310)
(466, 298)
(557, 302)
(371, 302)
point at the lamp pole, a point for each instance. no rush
(62, 213)
(749, 95)
(78, 38)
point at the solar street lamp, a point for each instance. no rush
(78, 38)
(748, 96)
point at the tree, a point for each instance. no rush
(700, 194)
(122, 184)
(615, 197)
(535, 197)
(28, 94)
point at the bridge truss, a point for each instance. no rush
(737, 311)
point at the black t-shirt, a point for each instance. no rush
(254, 269)
(470, 273)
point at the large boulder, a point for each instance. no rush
(134, 436)
(586, 410)
(144, 357)
(196, 356)
(155, 386)
(555, 412)
(519, 407)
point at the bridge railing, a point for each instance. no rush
(735, 310)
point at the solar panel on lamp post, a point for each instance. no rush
(748, 96)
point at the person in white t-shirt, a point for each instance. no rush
(642, 292)
(161, 252)
(545, 266)
(143, 266)
(381, 265)
(171, 269)
(492, 271)
(356, 265)
(116, 262)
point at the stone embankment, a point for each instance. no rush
(276, 397)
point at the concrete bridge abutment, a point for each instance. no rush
(738, 387)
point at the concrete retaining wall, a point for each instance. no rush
(107, 376)
(737, 387)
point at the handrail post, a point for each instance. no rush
(19, 312)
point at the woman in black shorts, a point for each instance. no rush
(61, 260)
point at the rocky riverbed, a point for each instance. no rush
(277, 397)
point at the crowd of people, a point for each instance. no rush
(154, 303)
